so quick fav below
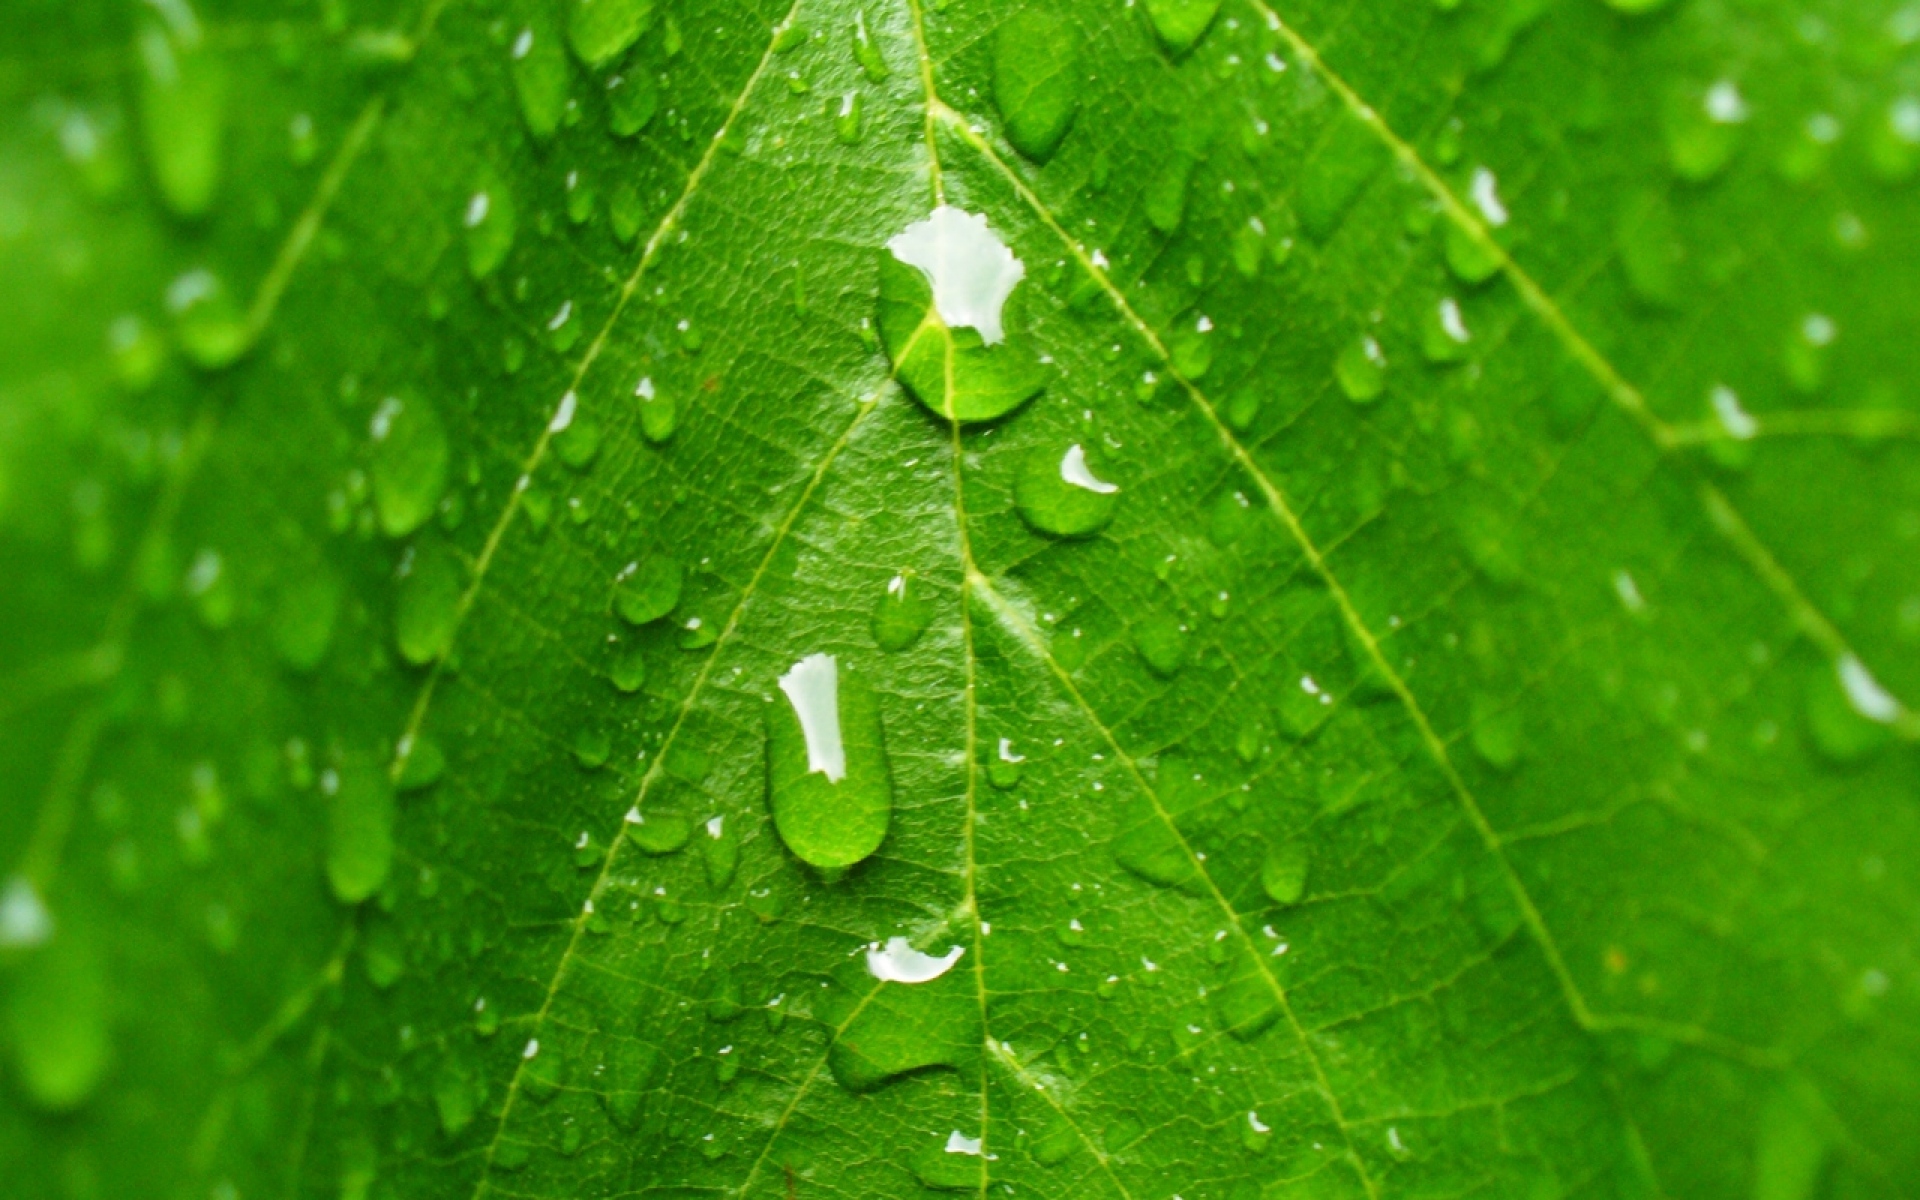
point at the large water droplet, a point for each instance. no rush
(1703, 129)
(1283, 875)
(183, 106)
(601, 29)
(540, 74)
(900, 1027)
(947, 296)
(1180, 24)
(1036, 81)
(830, 788)
(954, 1164)
(899, 962)
(409, 463)
(1059, 492)
(360, 820)
(902, 613)
(57, 1011)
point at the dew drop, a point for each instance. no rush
(1180, 24)
(1361, 370)
(1059, 492)
(427, 608)
(360, 820)
(57, 1013)
(902, 613)
(1283, 874)
(658, 833)
(1036, 81)
(645, 592)
(409, 463)
(829, 783)
(600, 29)
(540, 76)
(183, 106)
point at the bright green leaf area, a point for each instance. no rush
(1359, 626)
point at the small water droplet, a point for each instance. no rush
(902, 613)
(427, 608)
(409, 463)
(540, 73)
(1060, 492)
(645, 592)
(360, 820)
(1180, 24)
(1361, 370)
(601, 29)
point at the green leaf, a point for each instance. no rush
(640, 597)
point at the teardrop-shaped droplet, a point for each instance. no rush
(1036, 81)
(360, 819)
(918, 1012)
(489, 220)
(601, 29)
(720, 852)
(902, 613)
(829, 783)
(1283, 874)
(57, 1013)
(409, 463)
(867, 52)
(1703, 129)
(658, 832)
(1059, 492)
(1361, 370)
(427, 609)
(207, 319)
(632, 100)
(183, 106)
(540, 75)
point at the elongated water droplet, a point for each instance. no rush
(489, 221)
(830, 787)
(1036, 81)
(1651, 253)
(57, 1011)
(658, 832)
(427, 609)
(720, 852)
(1283, 874)
(846, 120)
(867, 52)
(409, 463)
(183, 106)
(360, 819)
(899, 962)
(304, 616)
(1361, 370)
(1060, 493)
(601, 29)
(902, 613)
(24, 919)
(1349, 155)
(540, 75)
(207, 319)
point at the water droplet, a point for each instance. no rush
(646, 591)
(1180, 24)
(1164, 199)
(1498, 732)
(658, 833)
(1444, 336)
(947, 294)
(421, 762)
(902, 613)
(1162, 639)
(1144, 843)
(831, 792)
(633, 99)
(659, 414)
(457, 1095)
(24, 919)
(720, 852)
(1893, 144)
(1361, 370)
(360, 819)
(183, 106)
(427, 609)
(899, 1026)
(409, 463)
(1703, 129)
(955, 1166)
(207, 319)
(1257, 1133)
(57, 1011)
(1346, 160)
(629, 669)
(540, 75)
(1793, 1142)
(601, 29)
(866, 51)
(304, 616)
(489, 220)
(899, 962)
(1060, 493)
(1005, 767)
(846, 121)
(1036, 81)
(1651, 252)
(1283, 874)
(592, 746)
(1807, 349)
